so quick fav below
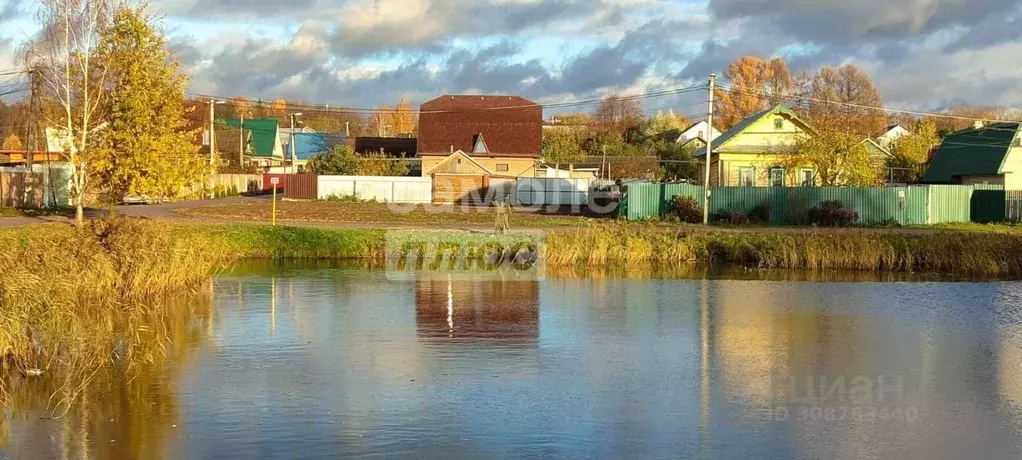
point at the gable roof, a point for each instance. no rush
(457, 156)
(264, 134)
(876, 149)
(974, 151)
(746, 123)
(308, 145)
(513, 126)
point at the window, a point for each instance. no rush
(778, 124)
(806, 177)
(777, 177)
(747, 177)
(502, 167)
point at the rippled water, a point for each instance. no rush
(332, 362)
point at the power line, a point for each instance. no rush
(801, 99)
(566, 104)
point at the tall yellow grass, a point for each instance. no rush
(967, 253)
(76, 301)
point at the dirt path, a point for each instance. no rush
(169, 212)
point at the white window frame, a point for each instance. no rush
(744, 169)
(802, 176)
(777, 169)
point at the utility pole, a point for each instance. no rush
(241, 143)
(709, 152)
(294, 167)
(604, 170)
(33, 133)
(212, 132)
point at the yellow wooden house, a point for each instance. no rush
(752, 153)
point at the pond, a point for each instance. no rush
(333, 361)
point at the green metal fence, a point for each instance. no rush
(989, 206)
(950, 203)
(915, 205)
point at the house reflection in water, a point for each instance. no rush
(477, 309)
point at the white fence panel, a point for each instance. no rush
(385, 189)
(418, 191)
(541, 191)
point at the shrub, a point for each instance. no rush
(687, 209)
(726, 216)
(833, 214)
(338, 198)
(760, 214)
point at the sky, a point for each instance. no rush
(922, 54)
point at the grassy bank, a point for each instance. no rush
(967, 253)
(76, 302)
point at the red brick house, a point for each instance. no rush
(469, 144)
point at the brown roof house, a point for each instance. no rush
(469, 143)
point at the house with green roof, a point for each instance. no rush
(265, 147)
(990, 154)
(752, 153)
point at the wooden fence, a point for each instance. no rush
(22, 189)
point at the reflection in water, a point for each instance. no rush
(480, 309)
(358, 363)
(128, 413)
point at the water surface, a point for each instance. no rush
(326, 361)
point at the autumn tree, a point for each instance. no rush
(73, 81)
(145, 149)
(378, 164)
(910, 152)
(837, 158)
(343, 162)
(965, 116)
(403, 119)
(617, 116)
(564, 144)
(394, 121)
(339, 162)
(338, 120)
(780, 85)
(846, 98)
(279, 108)
(243, 108)
(12, 142)
(663, 122)
(746, 78)
(677, 162)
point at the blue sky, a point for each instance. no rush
(922, 53)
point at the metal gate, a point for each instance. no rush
(988, 206)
